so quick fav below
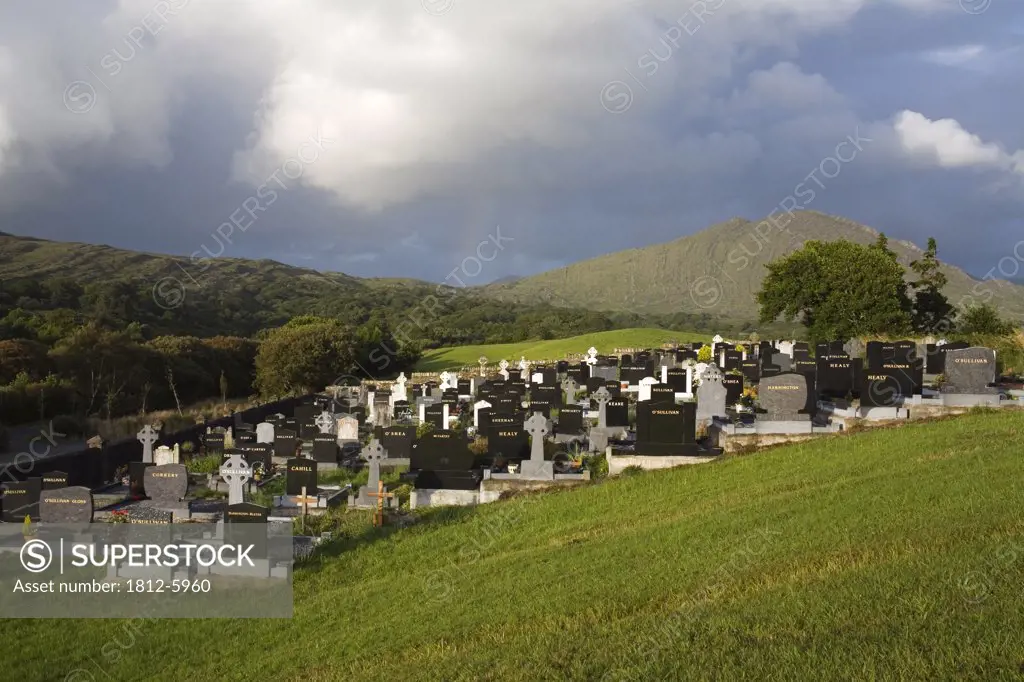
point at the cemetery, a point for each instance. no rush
(385, 454)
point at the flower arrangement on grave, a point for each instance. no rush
(741, 348)
(259, 470)
(27, 529)
(704, 354)
(119, 516)
(121, 475)
(749, 397)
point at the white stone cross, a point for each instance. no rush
(592, 356)
(524, 369)
(147, 436)
(504, 369)
(571, 387)
(482, 360)
(325, 422)
(537, 427)
(446, 378)
(236, 472)
(601, 396)
(374, 453)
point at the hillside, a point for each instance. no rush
(717, 271)
(240, 297)
(898, 555)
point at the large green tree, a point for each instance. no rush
(304, 356)
(838, 290)
(932, 310)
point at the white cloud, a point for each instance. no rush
(948, 145)
(961, 55)
(417, 104)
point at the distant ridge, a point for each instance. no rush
(718, 270)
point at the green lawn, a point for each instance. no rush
(461, 356)
(890, 553)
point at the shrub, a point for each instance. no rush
(209, 464)
(479, 446)
(704, 354)
(597, 465)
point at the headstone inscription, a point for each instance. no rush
(166, 484)
(71, 505)
(783, 397)
(506, 439)
(665, 430)
(617, 413)
(711, 395)
(236, 472)
(570, 420)
(443, 461)
(733, 388)
(21, 499)
(54, 480)
(325, 448)
(970, 371)
(284, 442)
(398, 440)
(300, 472)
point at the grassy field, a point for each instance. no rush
(889, 553)
(461, 356)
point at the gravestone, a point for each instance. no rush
(437, 416)
(236, 472)
(536, 468)
(167, 484)
(54, 480)
(398, 440)
(666, 430)
(443, 461)
(662, 394)
(70, 505)
(374, 453)
(570, 420)
(300, 472)
(506, 439)
(284, 442)
(617, 413)
(644, 391)
(214, 442)
(601, 398)
(677, 378)
(711, 395)
(551, 395)
(348, 429)
(246, 512)
(781, 360)
(164, 455)
(147, 436)
(571, 387)
(261, 453)
(782, 397)
(325, 448)
(970, 371)
(834, 378)
(137, 478)
(733, 388)
(21, 498)
(325, 422)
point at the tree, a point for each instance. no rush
(304, 357)
(932, 310)
(983, 320)
(838, 290)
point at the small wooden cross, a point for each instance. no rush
(381, 495)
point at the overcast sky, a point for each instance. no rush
(391, 138)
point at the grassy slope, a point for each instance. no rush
(605, 342)
(888, 553)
